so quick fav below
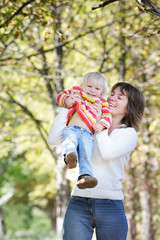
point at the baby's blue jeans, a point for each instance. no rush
(80, 141)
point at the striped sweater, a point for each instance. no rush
(83, 108)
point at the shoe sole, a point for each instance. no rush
(87, 182)
(71, 160)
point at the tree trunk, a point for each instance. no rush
(63, 194)
(62, 184)
(122, 40)
(132, 202)
(51, 212)
(148, 233)
(1, 224)
(146, 204)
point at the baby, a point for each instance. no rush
(81, 124)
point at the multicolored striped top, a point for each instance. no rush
(83, 108)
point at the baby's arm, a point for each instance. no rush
(67, 98)
(62, 97)
(98, 109)
(106, 118)
(72, 99)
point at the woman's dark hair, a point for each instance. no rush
(136, 104)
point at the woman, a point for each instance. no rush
(102, 207)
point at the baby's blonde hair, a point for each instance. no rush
(97, 77)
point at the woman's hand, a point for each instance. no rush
(98, 127)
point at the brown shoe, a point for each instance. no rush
(71, 159)
(86, 181)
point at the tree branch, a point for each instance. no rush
(144, 5)
(16, 13)
(36, 121)
(151, 6)
(104, 4)
(64, 43)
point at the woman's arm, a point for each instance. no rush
(55, 133)
(121, 142)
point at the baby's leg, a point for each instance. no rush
(70, 146)
(85, 143)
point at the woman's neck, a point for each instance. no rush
(116, 123)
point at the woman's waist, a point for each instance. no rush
(98, 193)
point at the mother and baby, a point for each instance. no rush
(99, 135)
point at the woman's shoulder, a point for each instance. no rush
(119, 133)
(122, 131)
(128, 131)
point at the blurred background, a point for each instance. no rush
(45, 47)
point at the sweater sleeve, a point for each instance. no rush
(55, 132)
(62, 96)
(121, 142)
(106, 119)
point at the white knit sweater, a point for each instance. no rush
(109, 157)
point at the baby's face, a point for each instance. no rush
(93, 88)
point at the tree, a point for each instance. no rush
(47, 46)
(143, 5)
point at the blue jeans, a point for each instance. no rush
(80, 141)
(84, 214)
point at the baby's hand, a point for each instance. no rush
(69, 102)
(98, 127)
(72, 98)
(76, 97)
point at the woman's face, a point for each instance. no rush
(118, 102)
